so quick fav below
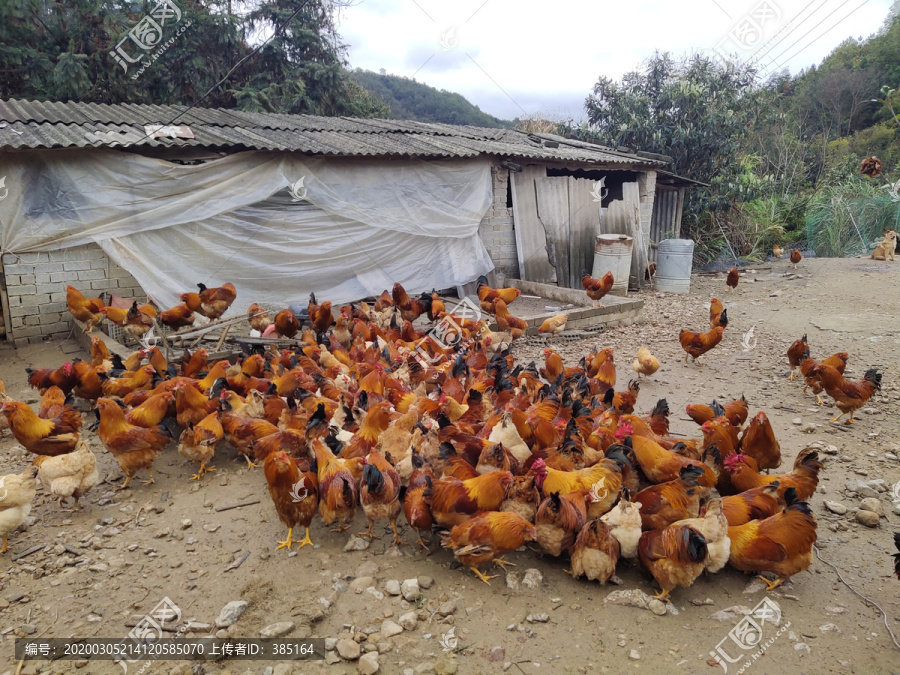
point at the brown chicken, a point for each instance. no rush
(52, 403)
(623, 401)
(379, 493)
(134, 447)
(50, 437)
(214, 302)
(295, 494)
(85, 310)
(507, 322)
(453, 501)
(322, 319)
(191, 405)
(736, 411)
(848, 396)
(759, 442)
(198, 443)
(488, 296)
(660, 465)
(139, 380)
(696, 345)
(795, 258)
(63, 377)
(732, 279)
(258, 318)
(804, 476)
(522, 497)
(718, 315)
(485, 537)
(603, 480)
(597, 288)
(116, 315)
(812, 378)
(595, 552)
(179, 316)
(554, 325)
(558, 521)
(666, 503)
(796, 354)
(286, 324)
(674, 556)
(241, 431)
(754, 504)
(417, 499)
(781, 543)
(338, 494)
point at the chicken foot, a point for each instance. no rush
(484, 577)
(501, 563)
(306, 541)
(771, 585)
(397, 540)
(4, 548)
(287, 543)
(203, 470)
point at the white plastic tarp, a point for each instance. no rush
(362, 223)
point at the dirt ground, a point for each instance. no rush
(125, 552)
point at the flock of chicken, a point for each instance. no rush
(364, 410)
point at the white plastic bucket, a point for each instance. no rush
(612, 253)
(674, 260)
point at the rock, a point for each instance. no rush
(331, 658)
(365, 569)
(867, 518)
(447, 608)
(657, 606)
(274, 630)
(186, 523)
(835, 507)
(348, 649)
(359, 584)
(532, 578)
(390, 629)
(634, 655)
(731, 613)
(797, 420)
(368, 664)
(445, 668)
(631, 598)
(543, 617)
(392, 587)
(497, 654)
(802, 647)
(330, 644)
(829, 628)
(230, 613)
(357, 544)
(408, 620)
(755, 586)
(410, 590)
(512, 581)
(872, 504)
(280, 669)
(375, 593)
(425, 582)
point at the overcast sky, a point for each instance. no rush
(520, 58)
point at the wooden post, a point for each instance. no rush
(678, 209)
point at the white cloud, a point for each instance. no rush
(515, 56)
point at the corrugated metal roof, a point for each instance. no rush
(54, 124)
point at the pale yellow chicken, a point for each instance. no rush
(69, 475)
(16, 494)
(645, 363)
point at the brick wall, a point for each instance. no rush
(36, 287)
(496, 228)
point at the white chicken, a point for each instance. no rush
(70, 475)
(16, 494)
(645, 363)
(714, 528)
(505, 433)
(624, 522)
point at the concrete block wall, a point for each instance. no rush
(496, 228)
(36, 288)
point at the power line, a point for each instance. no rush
(775, 40)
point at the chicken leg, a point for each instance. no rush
(484, 577)
(424, 544)
(306, 541)
(125, 484)
(287, 543)
(770, 585)
(501, 563)
(397, 540)
(150, 471)
(4, 548)
(203, 470)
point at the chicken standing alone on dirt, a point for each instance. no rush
(732, 279)
(597, 288)
(696, 345)
(645, 363)
(796, 257)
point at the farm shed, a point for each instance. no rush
(150, 200)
